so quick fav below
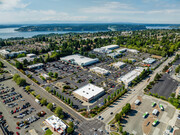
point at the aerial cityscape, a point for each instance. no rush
(89, 67)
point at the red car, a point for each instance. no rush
(17, 127)
(17, 133)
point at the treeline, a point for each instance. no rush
(143, 75)
(110, 99)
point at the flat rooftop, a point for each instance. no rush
(35, 65)
(149, 60)
(100, 70)
(79, 59)
(88, 91)
(110, 47)
(131, 75)
(56, 123)
(119, 64)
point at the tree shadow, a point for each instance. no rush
(124, 121)
(132, 112)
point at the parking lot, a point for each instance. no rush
(137, 125)
(76, 77)
(165, 86)
(20, 107)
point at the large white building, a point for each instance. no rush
(29, 57)
(9, 54)
(133, 51)
(88, 92)
(119, 64)
(114, 54)
(79, 60)
(56, 124)
(36, 66)
(129, 77)
(110, 47)
(122, 50)
(106, 49)
(99, 70)
(149, 61)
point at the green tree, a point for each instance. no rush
(90, 81)
(156, 78)
(15, 77)
(27, 88)
(43, 101)
(165, 68)
(19, 65)
(173, 95)
(58, 111)
(54, 92)
(50, 106)
(105, 101)
(48, 88)
(55, 75)
(21, 81)
(71, 124)
(70, 130)
(117, 117)
(71, 104)
(120, 129)
(38, 97)
(68, 100)
(50, 74)
(1, 64)
(124, 133)
(109, 98)
(177, 69)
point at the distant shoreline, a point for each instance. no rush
(6, 33)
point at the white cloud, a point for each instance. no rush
(27, 15)
(107, 7)
(11, 4)
(166, 11)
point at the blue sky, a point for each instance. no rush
(69, 11)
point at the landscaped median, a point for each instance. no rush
(115, 124)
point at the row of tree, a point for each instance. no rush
(143, 75)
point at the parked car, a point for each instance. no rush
(161, 107)
(145, 114)
(17, 127)
(153, 104)
(155, 122)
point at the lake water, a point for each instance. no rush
(158, 27)
(10, 32)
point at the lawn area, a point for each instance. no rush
(114, 133)
(48, 132)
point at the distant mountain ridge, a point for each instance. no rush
(81, 27)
